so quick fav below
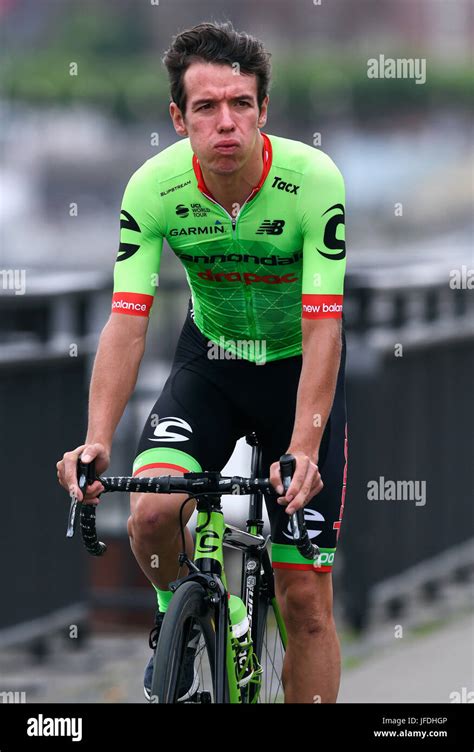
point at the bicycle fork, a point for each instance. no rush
(208, 569)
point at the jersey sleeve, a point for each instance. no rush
(324, 248)
(141, 242)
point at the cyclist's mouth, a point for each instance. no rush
(229, 148)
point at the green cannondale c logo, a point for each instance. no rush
(205, 547)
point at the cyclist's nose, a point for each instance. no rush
(224, 118)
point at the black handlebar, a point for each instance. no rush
(298, 525)
(196, 483)
(85, 476)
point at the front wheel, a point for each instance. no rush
(269, 648)
(187, 631)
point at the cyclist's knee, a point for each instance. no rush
(306, 602)
(308, 621)
(154, 517)
(150, 519)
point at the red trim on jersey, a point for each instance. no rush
(133, 303)
(285, 565)
(337, 525)
(267, 154)
(322, 306)
(160, 464)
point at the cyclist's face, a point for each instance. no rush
(221, 107)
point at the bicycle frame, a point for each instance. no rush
(212, 533)
(251, 575)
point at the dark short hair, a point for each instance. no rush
(216, 43)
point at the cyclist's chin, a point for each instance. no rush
(225, 164)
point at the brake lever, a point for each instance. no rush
(71, 523)
(85, 477)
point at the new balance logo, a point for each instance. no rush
(271, 227)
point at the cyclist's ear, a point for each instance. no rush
(262, 116)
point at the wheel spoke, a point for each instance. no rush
(271, 661)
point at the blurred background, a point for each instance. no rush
(84, 102)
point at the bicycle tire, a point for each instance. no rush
(189, 604)
(271, 659)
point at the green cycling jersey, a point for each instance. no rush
(252, 276)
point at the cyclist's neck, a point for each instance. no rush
(229, 190)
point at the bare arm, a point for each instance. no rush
(317, 384)
(116, 365)
(115, 372)
(316, 389)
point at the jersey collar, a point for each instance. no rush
(267, 163)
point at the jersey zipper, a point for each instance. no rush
(247, 290)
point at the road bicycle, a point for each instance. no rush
(201, 599)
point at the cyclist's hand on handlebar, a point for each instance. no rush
(67, 470)
(305, 484)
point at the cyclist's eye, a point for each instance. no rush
(244, 103)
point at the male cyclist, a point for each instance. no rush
(258, 223)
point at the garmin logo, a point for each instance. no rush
(41, 726)
(213, 230)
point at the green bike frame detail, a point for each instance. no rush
(210, 528)
(209, 535)
(279, 621)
